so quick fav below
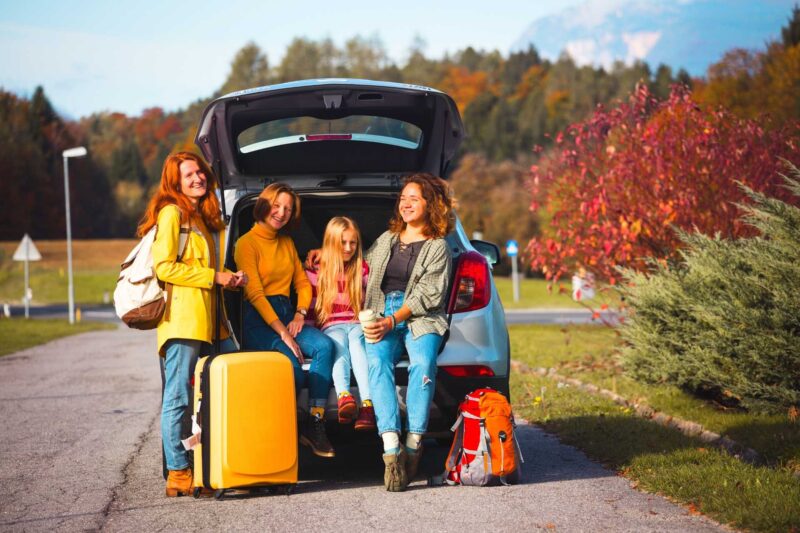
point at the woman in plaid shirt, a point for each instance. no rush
(409, 275)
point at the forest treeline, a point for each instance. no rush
(513, 107)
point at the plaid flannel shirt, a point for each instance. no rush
(426, 292)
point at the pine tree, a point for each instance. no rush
(726, 317)
(791, 32)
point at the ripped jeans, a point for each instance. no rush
(382, 358)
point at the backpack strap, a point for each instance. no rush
(457, 446)
(183, 240)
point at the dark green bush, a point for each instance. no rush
(726, 317)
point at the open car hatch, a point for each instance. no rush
(329, 127)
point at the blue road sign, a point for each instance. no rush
(512, 249)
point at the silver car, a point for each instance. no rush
(344, 145)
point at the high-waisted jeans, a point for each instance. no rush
(384, 355)
(180, 357)
(258, 335)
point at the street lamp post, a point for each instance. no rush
(79, 151)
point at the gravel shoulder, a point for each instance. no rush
(80, 450)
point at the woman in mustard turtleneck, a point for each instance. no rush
(271, 322)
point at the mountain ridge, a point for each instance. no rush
(689, 34)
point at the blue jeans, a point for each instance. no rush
(258, 335)
(384, 355)
(180, 357)
(348, 340)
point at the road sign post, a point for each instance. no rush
(26, 251)
(512, 249)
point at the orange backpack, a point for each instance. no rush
(485, 450)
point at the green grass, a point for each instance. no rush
(51, 285)
(19, 333)
(662, 460)
(95, 271)
(659, 459)
(589, 353)
(533, 293)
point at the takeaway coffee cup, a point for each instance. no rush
(367, 316)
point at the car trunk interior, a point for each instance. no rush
(371, 212)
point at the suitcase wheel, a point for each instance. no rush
(196, 492)
(219, 494)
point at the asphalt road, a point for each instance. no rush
(80, 450)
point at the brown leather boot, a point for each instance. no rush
(179, 483)
(412, 462)
(394, 476)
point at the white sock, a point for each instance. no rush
(391, 441)
(413, 440)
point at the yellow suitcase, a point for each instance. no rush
(248, 417)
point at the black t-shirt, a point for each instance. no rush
(401, 263)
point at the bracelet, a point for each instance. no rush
(394, 322)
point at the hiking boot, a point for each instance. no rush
(366, 419)
(394, 477)
(179, 483)
(347, 408)
(315, 437)
(412, 463)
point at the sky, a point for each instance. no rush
(97, 55)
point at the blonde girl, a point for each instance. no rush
(338, 288)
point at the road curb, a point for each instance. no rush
(687, 427)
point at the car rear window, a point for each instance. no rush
(362, 128)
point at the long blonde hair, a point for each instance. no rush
(333, 269)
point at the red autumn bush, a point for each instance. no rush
(612, 188)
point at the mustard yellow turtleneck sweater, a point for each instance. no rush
(272, 263)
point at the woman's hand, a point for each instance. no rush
(241, 278)
(377, 330)
(296, 325)
(312, 259)
(288, 339)
(226, 279)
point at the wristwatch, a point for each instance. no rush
(303, 312)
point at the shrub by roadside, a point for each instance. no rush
(726, 319)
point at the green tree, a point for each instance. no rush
(662, 82)
(365, 58)
(790, 34)
(724, 318)
(419, 69)
(249, 69)
(127, 165)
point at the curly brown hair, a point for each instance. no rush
(439, 216)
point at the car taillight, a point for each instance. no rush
(471, 287)
(329, 137)
(468, 371)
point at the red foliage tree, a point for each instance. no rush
(614, 187)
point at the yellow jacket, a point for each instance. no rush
(192, 307)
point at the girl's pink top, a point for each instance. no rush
(341, 310)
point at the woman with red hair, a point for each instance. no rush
(185, 203)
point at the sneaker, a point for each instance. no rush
(347, 408)
(394, 477)
(366, 419)
(412, 463)
(315, 437)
